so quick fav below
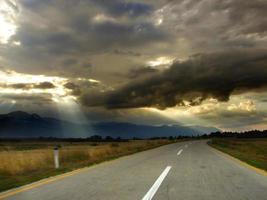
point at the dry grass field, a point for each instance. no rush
(25, 163)
(251, 151)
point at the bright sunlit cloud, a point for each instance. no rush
(161, 61)
(58, 92)
(89, 79)
(101, 18)
(9, 76)
(7, 22)
(158, 21)
(248, 106)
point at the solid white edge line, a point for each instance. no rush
(149, 195)
(179, 152)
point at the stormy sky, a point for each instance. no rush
(191, 62)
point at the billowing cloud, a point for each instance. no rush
(215, 75)
(44, 43)
(238, 114)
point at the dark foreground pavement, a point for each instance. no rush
(186, 171)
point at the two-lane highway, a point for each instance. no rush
(187, 171)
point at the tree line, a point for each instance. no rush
(98, 138)
(244, 134)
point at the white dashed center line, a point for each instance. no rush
(149, 195)
(179, 152)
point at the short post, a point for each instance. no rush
(56, 157)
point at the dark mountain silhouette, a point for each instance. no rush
(128, 130)
(24, 125)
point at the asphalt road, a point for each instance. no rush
(186, 171)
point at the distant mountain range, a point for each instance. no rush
(24, 125)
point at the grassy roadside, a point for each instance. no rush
(251, 151)
(20, 167)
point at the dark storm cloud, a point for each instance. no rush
(32, 4)
(49, 42)
(83, 35)
(126, 53)
(114, 7)
(81, 86)
(75, 89)
(86, 65)
(70, 61)
(141, 71)
(119, 8)
(52, 31)
(99, 39)
(71, 86)
(127, 34)
(248, 13)
(216, 75)
(138, 116)
(44, 85)
(211, 24)
(19, 86)
(76, 67)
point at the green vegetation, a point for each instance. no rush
(23, 163)
(251, 151)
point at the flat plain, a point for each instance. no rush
(25, 162)
(252, 150)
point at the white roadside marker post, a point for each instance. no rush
(56, 157)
